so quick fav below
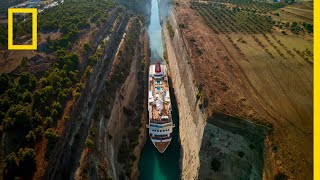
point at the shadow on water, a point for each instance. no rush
(156, 166)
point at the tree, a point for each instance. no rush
(8, 123)
(88, 71)
(5, 82)
(48, 122)
(27, 80)
(27, 97)
(22, 119)
(54, 113)
(46, 92)
(27, 158)
(36, 118)
(56, 105)
(39, 132)
(11, 161)
(31, 137)
(62, 96)
(51, 135)
(36, 96)
(44, 82)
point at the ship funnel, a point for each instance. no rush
(158, 67)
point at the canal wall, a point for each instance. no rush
(234, 144)
(66, 153)
(191, 118)
(119, 129)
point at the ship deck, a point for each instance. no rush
(158, 88)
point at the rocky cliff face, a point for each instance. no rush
(211, 144)
(192, 120)
(231, 147)
(116, 128)
(164, 9)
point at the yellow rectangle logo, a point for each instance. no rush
(12, 11)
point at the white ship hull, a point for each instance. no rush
(159, 107)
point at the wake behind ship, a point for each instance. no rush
(159, 107)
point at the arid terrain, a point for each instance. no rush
(257, 71)
(249, 62)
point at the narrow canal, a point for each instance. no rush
(154, 165)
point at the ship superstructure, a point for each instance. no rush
(159, 107)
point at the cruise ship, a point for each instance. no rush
(159, 107)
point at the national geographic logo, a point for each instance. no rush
(12, 11)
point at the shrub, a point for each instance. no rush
(294, 24)
(66, 118)
(119, 77)
(192, 39)
(24, 62)
(89, 143)
(77, 95)
(171, 31)
(183, 26)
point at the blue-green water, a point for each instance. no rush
(154, 30)
(154, 165)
